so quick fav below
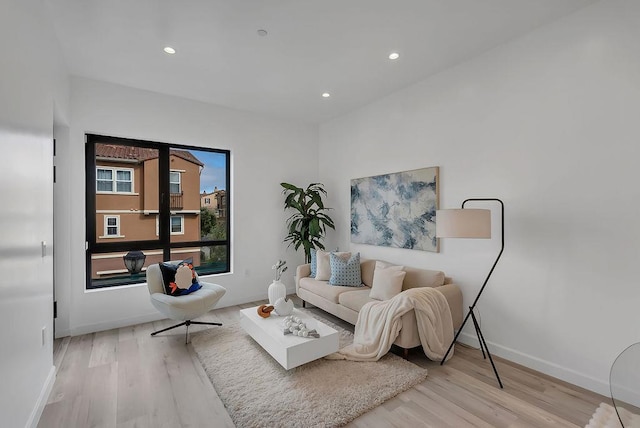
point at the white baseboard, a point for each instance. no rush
(108, 325)
(125, 322)
(34, 417)
(60, 333)
(563, 373)
(245, 299)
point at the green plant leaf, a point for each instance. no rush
(306, 227)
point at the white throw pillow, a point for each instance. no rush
(387, 281)
(323, 264)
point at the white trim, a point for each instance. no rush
(177, 170)
(149, 317)
(117, 193)
(131, 211)
(111, 272)
(148, 212)
(146, 253)
(108, 325)
(36, 413)
(111, 236)
(107, 226)
(567, 374)
(114, 180)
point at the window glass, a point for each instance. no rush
(104, 180)
(123, 181)
(214, 258)
(166, 202)
(108, 269)
(174, 182)
(176, 224)
(112, 226)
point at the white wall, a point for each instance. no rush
(548, 123)
(264, 153)
(33, 89)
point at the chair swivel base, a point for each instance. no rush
(186, 323)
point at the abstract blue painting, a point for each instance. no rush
(396, 210)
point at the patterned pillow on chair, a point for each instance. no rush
(179, 279)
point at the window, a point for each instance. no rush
(108, 179)
(174, 182)
(123, 181)
(166, 219)
(104, 180)
(177, 225)
(111, 226)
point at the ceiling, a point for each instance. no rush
(312, 46)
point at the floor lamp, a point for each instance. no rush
(471, 223)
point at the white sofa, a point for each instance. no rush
(346, 302)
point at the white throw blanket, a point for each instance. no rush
(380, 322)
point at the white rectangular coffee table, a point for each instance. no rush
(289, 350)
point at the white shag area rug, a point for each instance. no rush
(258, 392)
(605, 416)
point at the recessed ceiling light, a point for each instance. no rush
(262, 32)
(394, 55)
(326, 95)
(169, 50)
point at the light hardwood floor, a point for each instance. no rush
(125, 378)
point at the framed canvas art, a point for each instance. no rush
(396, 210)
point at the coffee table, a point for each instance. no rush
(289, 350)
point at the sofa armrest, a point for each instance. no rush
(454, 297)
(302, 271)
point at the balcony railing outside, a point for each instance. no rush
(175, 201)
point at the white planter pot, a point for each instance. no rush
(276, 291)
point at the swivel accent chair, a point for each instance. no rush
(182, 308)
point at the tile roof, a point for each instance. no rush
(115, 151)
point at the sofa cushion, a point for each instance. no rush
(422, 278)
(323, 289)
(387, 281)
(367, 266)
(345, 270)
(355, 299)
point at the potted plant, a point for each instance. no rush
(307, 225)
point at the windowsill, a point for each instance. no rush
(204, 277)
(114, 287)
(111, 237)
(118, 193)
(111, 272)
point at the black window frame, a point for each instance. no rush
(163, 239)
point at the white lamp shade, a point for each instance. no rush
(463, 223)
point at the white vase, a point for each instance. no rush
(276, 291)
(283, 307)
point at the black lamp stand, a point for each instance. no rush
(483, 343)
